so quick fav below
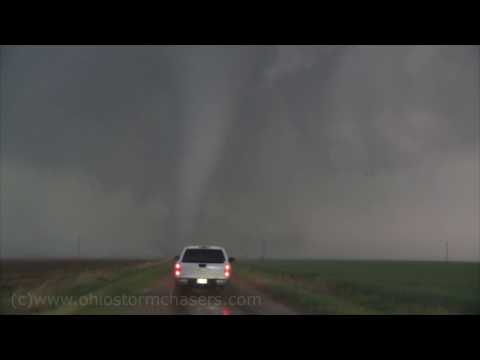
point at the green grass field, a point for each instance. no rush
(368, 287)
(66, 282)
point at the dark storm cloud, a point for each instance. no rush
(330, 151)
(94, 110)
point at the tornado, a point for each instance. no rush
(213, 81)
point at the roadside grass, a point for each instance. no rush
(68, 289)
(368, 287)
(129, 283)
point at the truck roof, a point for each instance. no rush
(204, 247)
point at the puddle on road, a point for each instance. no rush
(204, 302)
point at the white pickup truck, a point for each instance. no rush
(202, 266)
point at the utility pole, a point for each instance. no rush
(446, 251)
(264, 249)
(78, 247)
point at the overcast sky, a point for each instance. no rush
(321, 151)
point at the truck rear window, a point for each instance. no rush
(203, 256)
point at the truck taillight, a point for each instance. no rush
(178, 269)
(227, 270)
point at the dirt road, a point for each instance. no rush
(239, 299)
